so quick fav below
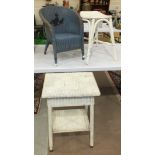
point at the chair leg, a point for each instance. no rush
(46, 47)
(55, 57)
(82, 50)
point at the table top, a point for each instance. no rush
(71, 61)
(60, 85)
(93, 15)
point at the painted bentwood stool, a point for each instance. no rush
(94, 18)
(70, 90)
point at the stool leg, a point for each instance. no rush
(96, 36)
(50, 134)
(91, 125)
(91, 40)
(112, 39)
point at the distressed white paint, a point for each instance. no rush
(62, 85)
(70, 120)
(62, 89)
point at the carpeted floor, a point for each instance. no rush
(116, 78)
(38, 84)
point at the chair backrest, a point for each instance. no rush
(63, 19)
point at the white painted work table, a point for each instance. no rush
(94, 18)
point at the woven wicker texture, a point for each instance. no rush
(70, 120)
(63, 28)
(74, 101)
(58, 85)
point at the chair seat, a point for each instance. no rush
(62, 36)
(67, 41)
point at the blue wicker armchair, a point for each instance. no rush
(63, 28)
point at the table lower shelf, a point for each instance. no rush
(70, 120)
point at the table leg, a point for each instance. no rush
(50, 134)
(86, 109)
(91, 125)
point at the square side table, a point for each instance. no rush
(70, 90)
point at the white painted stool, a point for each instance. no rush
(69, 90)
(94, 18)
